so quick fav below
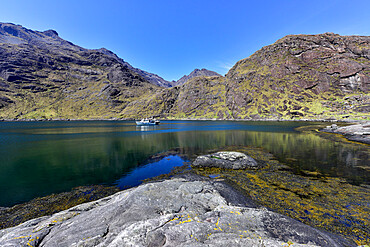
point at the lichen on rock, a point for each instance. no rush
(313, 198)
(226, 160)
(183, 211)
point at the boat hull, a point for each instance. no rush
(145, 124)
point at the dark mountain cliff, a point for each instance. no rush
(43, 76)
(16, 35)
(194, 73)
(299, 76)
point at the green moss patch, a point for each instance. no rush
(324, 202)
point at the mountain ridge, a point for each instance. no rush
(319, 76)
(43, 77)
(17, 34)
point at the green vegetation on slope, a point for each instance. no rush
(299, 76)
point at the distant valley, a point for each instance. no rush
(324, 76)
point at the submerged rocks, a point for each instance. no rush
(178, 212)
(226, 160)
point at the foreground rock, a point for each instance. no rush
(357, 132)
(226, 160)
(315, 199)
(196, 212)
(53, 203)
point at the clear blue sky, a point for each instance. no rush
(171, 38)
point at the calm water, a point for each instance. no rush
(40, 158)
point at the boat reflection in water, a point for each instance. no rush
(145, 127)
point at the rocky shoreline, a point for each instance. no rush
(197, 212)
(359, 132)
(310, 197)
(193, 119)
(212, 205)
(50, 204)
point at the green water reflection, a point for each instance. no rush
(41, 158)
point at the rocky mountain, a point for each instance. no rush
(16, 34)
(44, 76)
(193, 74)
(299, 76)
(325, 75)
(152, 78)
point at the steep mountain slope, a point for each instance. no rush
(299, 76)
(324, 75)
(193, 74)
(201, 97)
(152, 78)
(44, 76)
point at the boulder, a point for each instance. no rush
(226, 160)
(176, 212)
(332, 127)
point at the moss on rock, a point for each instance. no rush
(324, 202)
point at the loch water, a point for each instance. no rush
(41, 158)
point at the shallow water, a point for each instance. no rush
(40, 158)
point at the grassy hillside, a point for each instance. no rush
(306, 76)
(300, 76)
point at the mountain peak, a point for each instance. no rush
(16, 34)
(10, 32)
(51, 33)
(195, 73)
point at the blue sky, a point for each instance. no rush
(171, 38)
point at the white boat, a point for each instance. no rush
(146, 122)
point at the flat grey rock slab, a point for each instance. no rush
(175, 212)
(357, 132)
(226, 160)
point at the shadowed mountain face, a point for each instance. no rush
(304, 76)
(42, 76)
(193, 74)
(15, 34)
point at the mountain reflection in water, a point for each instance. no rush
(40, 158)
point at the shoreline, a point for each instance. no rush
(190, 119)
(348, 134)
(251, 190)
(50, 204)
(197, 208)
(359, 132)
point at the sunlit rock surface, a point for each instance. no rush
(227, 160)
(187, 211)
(358, 132)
